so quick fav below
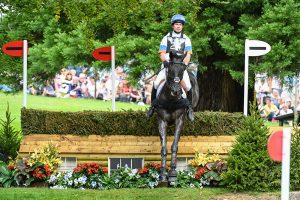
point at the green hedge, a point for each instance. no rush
(122, 123)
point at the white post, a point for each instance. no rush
(285, 174)
(246, 79)
(25, 48)
(113, 77)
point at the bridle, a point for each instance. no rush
(174, 83)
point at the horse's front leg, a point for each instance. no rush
(162, 126)
(174, 148)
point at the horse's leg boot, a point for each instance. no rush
(190, 113)
(152, 107)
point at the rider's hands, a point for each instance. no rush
(166, 63)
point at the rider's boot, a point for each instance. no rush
(190, 113)
(152, 107)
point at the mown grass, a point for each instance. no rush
(15, 102)
(144, 194)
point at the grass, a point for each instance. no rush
(55, 104)
(151, 194)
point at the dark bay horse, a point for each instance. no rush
(172, 109)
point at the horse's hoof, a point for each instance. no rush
(162, 178)
(172, 180)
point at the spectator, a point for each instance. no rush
(269, 110)
(76, 90)
(83, 85)
(286, 110)
(126, 91)
(135, 95)
(275, 97)
(66, 85)
(49, 90)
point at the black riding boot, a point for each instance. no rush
(190, 113)
(152, 108)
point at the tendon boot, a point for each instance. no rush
(152, 107)
(190, 113)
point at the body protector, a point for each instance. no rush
(177, 42)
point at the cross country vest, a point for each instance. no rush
(175, 43)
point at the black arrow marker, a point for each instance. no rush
(14, 48)
(257, 48)
(106, 53)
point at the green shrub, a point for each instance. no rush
(9, 137)
(295, 161)
(249, 165)
(122, 123)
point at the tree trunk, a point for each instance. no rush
(219, 92)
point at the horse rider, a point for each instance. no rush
(177, 41)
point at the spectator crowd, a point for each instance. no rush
(274, 98)
(80, 82)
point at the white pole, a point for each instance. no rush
(285, 174)
(246, 79)
(113, 77)
(25, 73)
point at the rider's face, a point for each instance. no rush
(177, 27)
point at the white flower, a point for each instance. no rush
(52, 179)
(117, 180)
(94, 184)
(151, 184)
(58, 187)
(70, 182)
(192, 185)
(82, 179)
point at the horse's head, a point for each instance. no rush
(175, 73)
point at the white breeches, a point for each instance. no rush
(161, 77)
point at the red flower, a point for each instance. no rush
(11, 167)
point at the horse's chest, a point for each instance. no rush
(171, 116)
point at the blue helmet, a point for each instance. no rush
(178, 19)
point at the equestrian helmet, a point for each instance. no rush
(178, 19)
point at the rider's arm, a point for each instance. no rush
(162, 56)
(187, 58)
(188, 50)
(163, 49)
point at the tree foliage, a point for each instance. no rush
(64, 33)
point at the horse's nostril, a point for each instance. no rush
(177, 79)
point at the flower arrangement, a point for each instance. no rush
(87, 175)
(190, 178)
(47, 154)
(93, 176)
(36, 167)
(42, 172)
(208, 167)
